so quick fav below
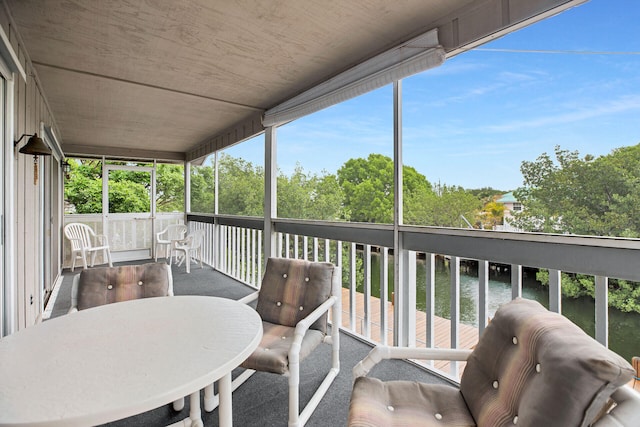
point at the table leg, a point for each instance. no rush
(224, 410)
(194, 410)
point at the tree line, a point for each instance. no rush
(564, 193)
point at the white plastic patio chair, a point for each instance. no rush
(85, 241)
(166, 237)
(190, 246)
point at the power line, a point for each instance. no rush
(550, 51)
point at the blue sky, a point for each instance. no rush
(472, 121)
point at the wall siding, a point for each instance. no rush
(29, 112)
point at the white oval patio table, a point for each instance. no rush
(118, 360)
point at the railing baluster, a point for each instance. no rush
(384, 294)
(315, 249)
(327, 251)
(259, 256)
(516, 281)
(430, 295)
(367, 291)
(483, 296)
(555, 291)
(352, 287)
(602, 310)
(455, 308)
(287, 253)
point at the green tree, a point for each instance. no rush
(589, 196)
(83, 188)
(492, 214)
(310, 196)
(241, 186)
(202, 189)
(448, 206)
(368, 187)
(169, 188)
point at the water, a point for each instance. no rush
(624, 328)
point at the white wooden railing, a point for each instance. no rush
(235, 248)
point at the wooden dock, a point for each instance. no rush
(468, 335)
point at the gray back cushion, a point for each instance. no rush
(539, 369)
(292, 288)
(105, 285)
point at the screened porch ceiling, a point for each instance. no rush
(176, 80)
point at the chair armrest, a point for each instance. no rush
(249, 298)
(625, 413)
(379, 353)
(303, 326)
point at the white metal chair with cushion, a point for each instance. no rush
(166, 237)
(190, 246)
(531, 367)
(105, 285)
(85, 241)
(293, 302)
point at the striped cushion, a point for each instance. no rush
(272, 354)
(406, 403)
(291, 289)
(536, 368)
(105, 285)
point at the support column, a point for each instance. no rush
(187, 188)
(270, 191)
(217, 245)
(404, 261)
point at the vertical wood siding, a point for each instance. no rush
(30, 110)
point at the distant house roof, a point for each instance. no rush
(507, 198)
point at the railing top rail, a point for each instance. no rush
(567, 239)
(612, 257)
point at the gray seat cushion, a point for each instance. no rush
(406, 403)
(272, 354)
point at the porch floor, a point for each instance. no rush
(263, 399)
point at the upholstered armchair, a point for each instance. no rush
(531, 367)
(105, 285)
(293, 302)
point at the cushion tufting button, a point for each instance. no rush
(495, 384)
(438, 416)
(278, 303)
(515, 340)
(391, 408)
(109, 286)
(538, 368)
(515, 419)
(284, 338)
(284, 275)
(140, 283)
(301, 308)
(306, 279)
